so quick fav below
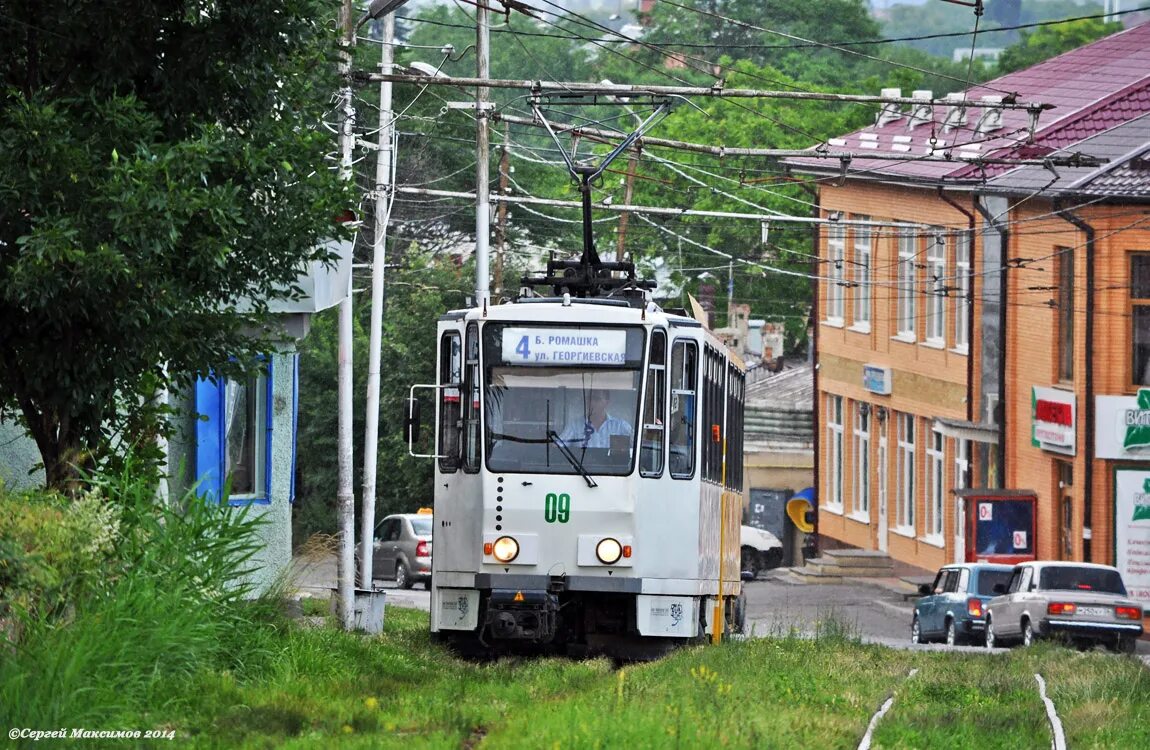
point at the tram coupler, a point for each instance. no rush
(522, 615)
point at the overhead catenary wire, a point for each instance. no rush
(717, 91)
(1024, 266)
(798, 45)
(823, 45)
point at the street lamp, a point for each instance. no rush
(378, 9)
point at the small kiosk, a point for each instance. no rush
(1000, 525)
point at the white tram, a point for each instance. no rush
(559, 528)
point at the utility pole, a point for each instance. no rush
(501, 225)
(345, 493)
(628, 187)
(385, 158)
(482, 149)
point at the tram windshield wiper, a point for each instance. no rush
(558, 441)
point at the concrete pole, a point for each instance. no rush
(345, 493)
(501, 224)
(482, 147)
(383, 167)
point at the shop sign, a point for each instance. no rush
(1053, 420)
(877, 379)
(1132, 530)
(1123, 426)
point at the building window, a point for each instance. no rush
(907, 251)
(937, 286)
(961, 469)
(961, 463)
(835, 451)
(1066, 516)
(233, 437)
(862, 459)
(1140, 317)
(836, 242)
(862, 273)
(1065, 312)
(905, 490)
(961, 287)
(935, 481)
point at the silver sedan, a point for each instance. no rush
(1084, 603)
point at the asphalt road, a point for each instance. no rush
(871, 613)
(316, 577)
(774, 607)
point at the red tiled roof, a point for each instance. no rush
(1123, 106)
(1091, 89)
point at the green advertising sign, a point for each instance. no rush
(1142, 503)
(1138, 422)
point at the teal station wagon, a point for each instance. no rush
(953, 608)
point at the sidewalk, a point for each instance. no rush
(903, 581)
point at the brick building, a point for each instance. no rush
(925, 382)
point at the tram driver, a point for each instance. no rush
(599, 426)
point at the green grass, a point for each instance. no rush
(322, 687)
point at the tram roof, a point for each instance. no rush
(586, 310)
(556, 309)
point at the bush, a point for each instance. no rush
(167, 597)
(52, 549)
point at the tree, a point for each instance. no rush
(1047, 41)
(768, 33)
(163, 176)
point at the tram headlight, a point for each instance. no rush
(608, 551)
(505, 549)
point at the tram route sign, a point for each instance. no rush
(565, 346)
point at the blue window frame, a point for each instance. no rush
(234, 438)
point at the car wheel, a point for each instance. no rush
(1126, 644)
(990, 639)
(402, 577)
(916, 631)
(427, 584)
(750, 561)
(1028, 637)
(951, 634)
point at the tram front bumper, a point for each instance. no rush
(522, 615)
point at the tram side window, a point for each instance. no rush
(684, 393)
(736, 396)
(451, 401)
(654, 402)
(714, 421)
(471, 401)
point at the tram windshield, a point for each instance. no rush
(561, 399)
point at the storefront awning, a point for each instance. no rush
(963, 430)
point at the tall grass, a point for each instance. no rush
(167, 601)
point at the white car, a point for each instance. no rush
(1085, 603)
(761, 550)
